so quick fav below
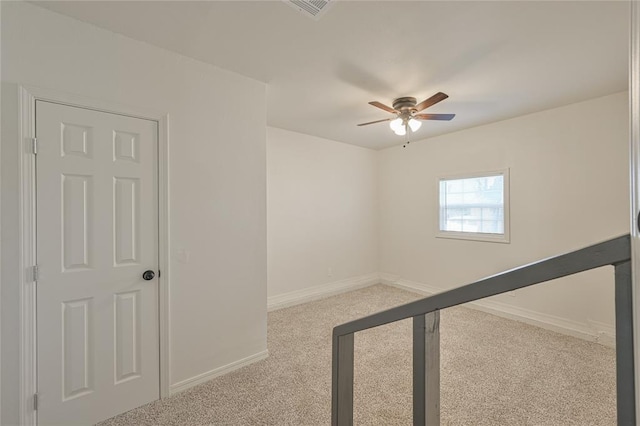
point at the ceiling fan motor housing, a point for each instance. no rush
(405, 103)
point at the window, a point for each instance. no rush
(475, 207)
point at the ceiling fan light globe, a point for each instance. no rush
(414, 124)
(396, 124)
(400, 131)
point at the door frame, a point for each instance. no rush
(27, 234)
(634, 163)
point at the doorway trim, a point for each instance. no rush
(634, 154)
(27, 235)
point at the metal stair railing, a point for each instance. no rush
(426, 336)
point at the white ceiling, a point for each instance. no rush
(495, 59)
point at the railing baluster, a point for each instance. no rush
(426, 334)
(342, 392)
(426, 369)
(624, 346)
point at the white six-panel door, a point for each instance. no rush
(97, 233)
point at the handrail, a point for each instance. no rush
(616, 250)
(425, 312)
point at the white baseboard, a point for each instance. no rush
(204, 377)
(591, 330)
(321, 291)
(605, 333)
(397, 281)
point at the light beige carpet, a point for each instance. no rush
(494, 372)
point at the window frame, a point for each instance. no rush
(504, 238)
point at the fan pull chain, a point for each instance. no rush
(406, 126)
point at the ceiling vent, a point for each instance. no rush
(312, 8)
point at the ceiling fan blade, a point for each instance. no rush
(445, 117)
(431, 101)
(383, 106)
(377, 121)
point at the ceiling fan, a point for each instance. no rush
(406, 113)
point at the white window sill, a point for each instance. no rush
(474, 236)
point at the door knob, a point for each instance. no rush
(148, 275)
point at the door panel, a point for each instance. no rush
(126, 208)
(127, 344)
(77, 190)
(97, 232)
(77, 349)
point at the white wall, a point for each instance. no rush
(569, 188)
(322, 209)
(217, 179)
(0, 239)
(331, 205)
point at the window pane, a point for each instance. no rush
(474, 204)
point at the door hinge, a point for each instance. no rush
(34, 145)
(35, 272)
(35, 402)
